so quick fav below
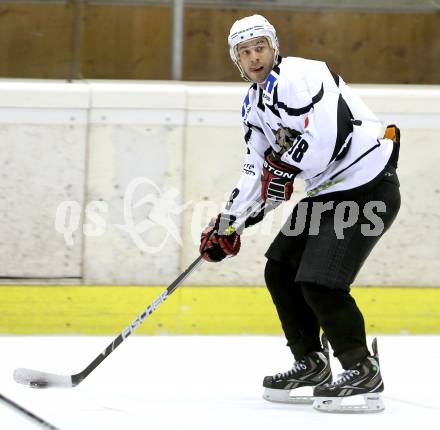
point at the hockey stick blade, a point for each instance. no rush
(36, 379)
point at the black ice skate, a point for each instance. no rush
(355, 390)
(296, 384)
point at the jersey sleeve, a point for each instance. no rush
(248, 189)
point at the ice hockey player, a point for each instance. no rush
(301, 121)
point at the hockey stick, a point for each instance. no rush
(37, 379)
(28, 414)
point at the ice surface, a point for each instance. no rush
(203, 382)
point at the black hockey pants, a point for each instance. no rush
(309, 277)
(303, 308)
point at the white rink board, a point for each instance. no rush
(41, 166)
(147, 161)
(135, 153)
(199, 383)
(43, 133)
(90, 141)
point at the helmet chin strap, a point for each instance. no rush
(242, 73)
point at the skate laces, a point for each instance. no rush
(345, 376)
(297, 367)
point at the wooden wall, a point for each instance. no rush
(363, 47)
(36, 41)
(78, 40)
(126, 42)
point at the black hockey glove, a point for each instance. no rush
(219, 240)
(277, 178)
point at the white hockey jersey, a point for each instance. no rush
(337, 145)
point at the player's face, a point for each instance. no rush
(256, 58)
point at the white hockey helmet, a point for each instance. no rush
(247, 28)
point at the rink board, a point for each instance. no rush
(106, 310)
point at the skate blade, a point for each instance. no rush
(361, 403)
(298, 396)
